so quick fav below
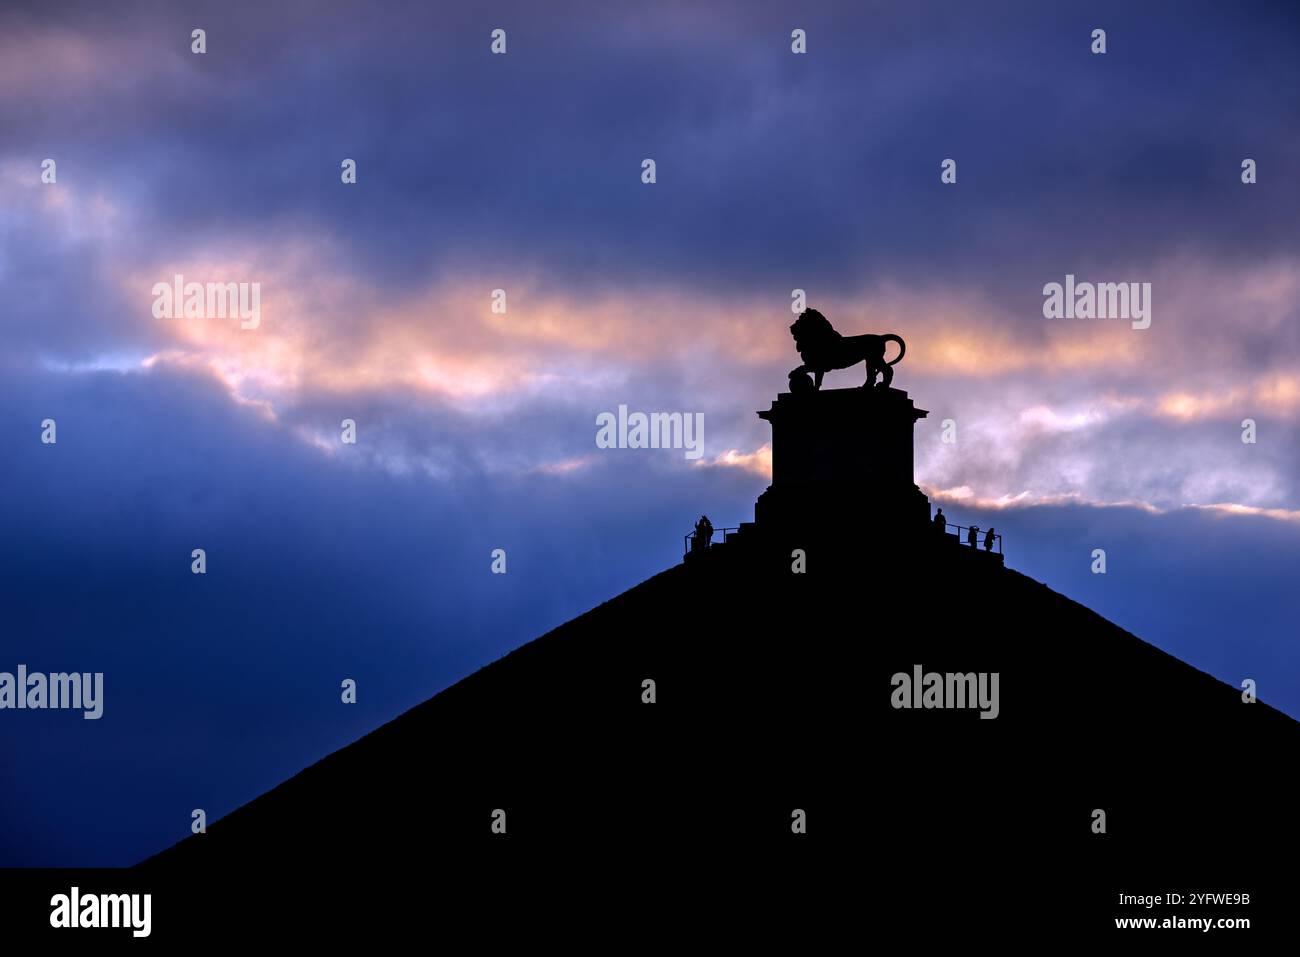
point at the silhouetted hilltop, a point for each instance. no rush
(780, 658)
(773, 694)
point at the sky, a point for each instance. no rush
(476, 430)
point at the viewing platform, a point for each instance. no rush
(693, 546)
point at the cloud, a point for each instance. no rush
(759, 461)
(1039, 404)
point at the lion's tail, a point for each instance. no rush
(902, 347)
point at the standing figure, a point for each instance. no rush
(940, 523)
(972, 536)
(703, 532)
(988, 540)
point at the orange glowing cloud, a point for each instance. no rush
(1277, 394)
(758, 462)
(327, 328)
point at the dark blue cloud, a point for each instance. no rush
(821, 169)
(220, 686)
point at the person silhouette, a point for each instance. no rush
(940, 523)
(988, 540)
(703, 532)
(972, 536)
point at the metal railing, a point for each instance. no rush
(689, 538)
(980, 537)
(962, 536)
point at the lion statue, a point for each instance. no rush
(822, 349)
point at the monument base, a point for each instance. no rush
(842, 508)
(842, 466)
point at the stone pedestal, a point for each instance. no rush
(842, 466)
